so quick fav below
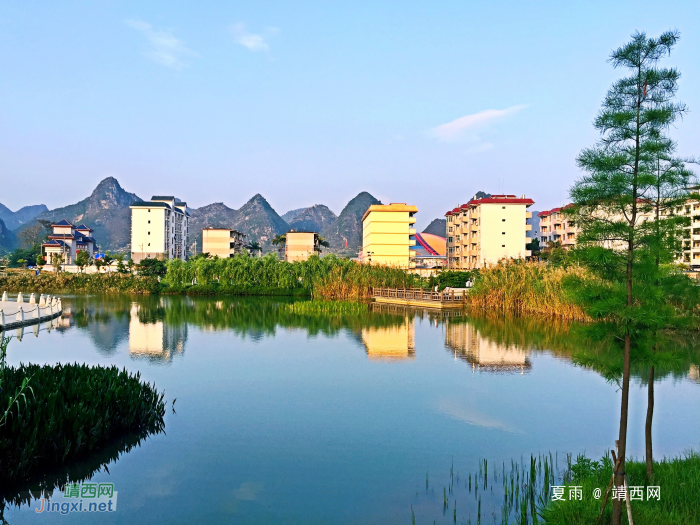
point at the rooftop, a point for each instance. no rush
(394, 206)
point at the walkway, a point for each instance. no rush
(18, 313)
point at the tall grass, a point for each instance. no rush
(329, 277)
(527, 288)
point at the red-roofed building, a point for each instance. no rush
(556, 227)
(486, 230)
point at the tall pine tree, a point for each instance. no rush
(610, 202)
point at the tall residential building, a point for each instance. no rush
(222, 242)
(388, 235)
(66, 241)
(159, 229)
(299, 246)
(485, 230)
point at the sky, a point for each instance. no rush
(312, 102)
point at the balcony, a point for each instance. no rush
(411, 231)
(528, 215)
(528, 227)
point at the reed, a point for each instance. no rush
(527, 288)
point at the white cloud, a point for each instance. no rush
(165, 48)
(459, 129)
(252, 41)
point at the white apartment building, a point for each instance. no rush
(159, 229)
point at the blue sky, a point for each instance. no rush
(311, 103)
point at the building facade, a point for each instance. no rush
(485, 230)
(299, 246)
(388, 235)
(556, 227)
(159, 229)
(66, 241)
(222, 242)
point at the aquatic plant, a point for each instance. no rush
(75, 410)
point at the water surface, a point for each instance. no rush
(284, 418)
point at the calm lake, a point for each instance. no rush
(339, 419)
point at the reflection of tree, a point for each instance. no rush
(77, 472)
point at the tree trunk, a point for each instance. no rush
(647, 430)
(622, 441)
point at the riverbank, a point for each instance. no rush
(678, 480)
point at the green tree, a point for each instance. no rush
(609, 202)
(82, 259)
(152, 268)
(255, 248)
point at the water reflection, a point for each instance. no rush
(484, 354)
(390, 342)
(153, 338)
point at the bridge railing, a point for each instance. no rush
(419, 294)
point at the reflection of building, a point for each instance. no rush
(390, 342)
(299, 246)
(156, 340)
(222, 242)
(388, 236)
(469, 345)
(694, 373)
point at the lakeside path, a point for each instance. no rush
(15, 314)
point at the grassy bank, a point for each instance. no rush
(68, 412)
(527, 288)
(678, 478)
(46, 282)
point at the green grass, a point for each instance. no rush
(70, 411)
(678, 478)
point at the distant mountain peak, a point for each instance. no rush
(314, 218)
(345, 233)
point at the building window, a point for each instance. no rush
(503, 207)
(149, 243)
(503, 220)
(149, 221)
(149, 210)
(149, 233)
(503, 233)
(503, 245)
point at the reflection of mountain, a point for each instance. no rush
(156, 340)
(468, 344)
(390, 342)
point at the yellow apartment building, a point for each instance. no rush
(484, 231)
(222, 242)
(299, 246)
(388, 235)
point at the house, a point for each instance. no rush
(485, 230)
(222, 242)
(388, 235)
(299, 246)
(159, 229)
(66, 241)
